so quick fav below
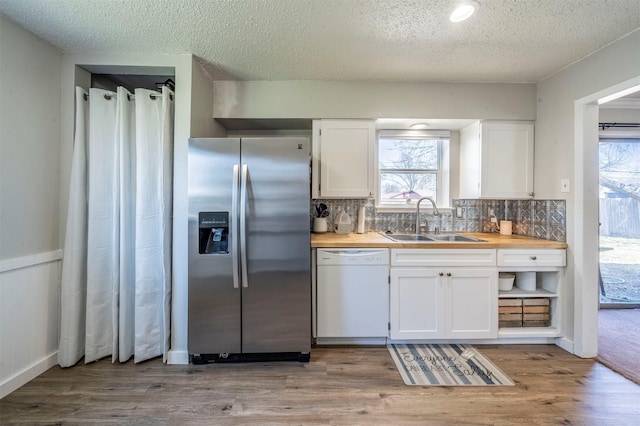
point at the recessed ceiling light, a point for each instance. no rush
(418, 126)
(464, 11)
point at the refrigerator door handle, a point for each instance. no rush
(234, 224)
(243, 225)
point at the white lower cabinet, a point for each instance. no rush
(443, 302)
(439, 294)
(470, 295)
(416, 304)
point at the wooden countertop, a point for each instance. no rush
(375, 240)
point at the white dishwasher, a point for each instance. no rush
(352, 293)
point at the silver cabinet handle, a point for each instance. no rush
(448, 274)
(441, 274)
(234, 225)
(243, 226)
(534, 257)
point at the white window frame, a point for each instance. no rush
(443, 173)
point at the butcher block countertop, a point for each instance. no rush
(375, 240)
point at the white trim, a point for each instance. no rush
(30, 260)
(585, 217)
(500, 341)
(585, 247)
(363, 341)
(28, 374)
(443, 173)
(178, 357)
(565, 344)
(618, 95)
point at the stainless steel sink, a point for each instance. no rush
(454, 237)
(408, 237)
(431, 238)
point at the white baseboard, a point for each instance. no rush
(500, 341)
(565, 344)
(28, 374)
(375, 341)
(178, 357)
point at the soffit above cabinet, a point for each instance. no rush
(266, 124)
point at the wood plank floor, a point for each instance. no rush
(340, 386)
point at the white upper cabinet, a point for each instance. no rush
(343, 159)
(496, 160)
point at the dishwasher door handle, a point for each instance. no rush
(352, 252)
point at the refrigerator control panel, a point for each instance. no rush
(213, 230)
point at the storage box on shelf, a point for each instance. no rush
(509, 313)
(524, 312)
(537, 292)
(536, 312)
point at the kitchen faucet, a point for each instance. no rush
(435, 213)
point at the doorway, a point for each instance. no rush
(619, 205)
(619, 235)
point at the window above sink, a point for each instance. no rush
(412, 164)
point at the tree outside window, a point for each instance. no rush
(409, 168)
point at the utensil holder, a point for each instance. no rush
(320, 225)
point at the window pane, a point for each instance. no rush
(397, 188)
(408, 154)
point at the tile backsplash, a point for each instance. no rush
(535, 218)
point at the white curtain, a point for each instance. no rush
(73, 292)
(116, 271)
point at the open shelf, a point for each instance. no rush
(538, 274)
(533, 284)
(517, 292)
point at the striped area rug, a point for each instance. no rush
(446, 365)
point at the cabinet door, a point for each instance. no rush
(416, 308)
(507, 160)
(471, 298)
(346, 151)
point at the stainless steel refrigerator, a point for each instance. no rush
(249, 249)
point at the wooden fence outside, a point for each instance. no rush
(620, 217)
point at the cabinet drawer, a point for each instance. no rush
(443, 257)
(525, 257)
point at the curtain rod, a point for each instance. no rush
(129, 96)
(605, 126)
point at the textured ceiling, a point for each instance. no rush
(364, 40)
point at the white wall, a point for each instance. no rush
(341, 99)
(613, 115)
(29, 136)
(202, 124)
(30, 72)
(566, 147)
